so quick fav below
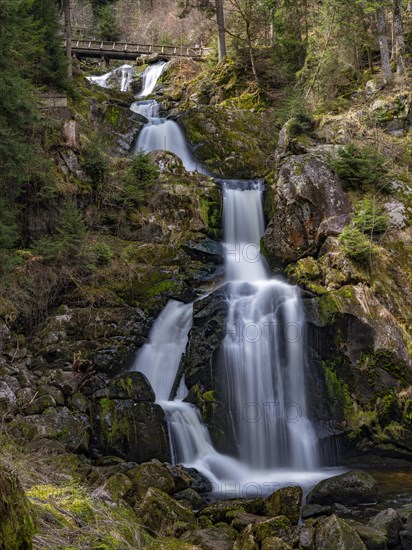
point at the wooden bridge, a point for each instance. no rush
(126, 50)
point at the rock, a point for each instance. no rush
(205, 250)
(16, 518)
(242, 519)
(150, 474)
(223, 510)
(132, 385)
(406, 539)
(306, 538)
(246, 540)
(275, 543)
(116, 487)
(198, 481)
(72, 430)
(333, 532)
(315, 510)
(374, 539)
(8, 399)
(134, 431)
(397, 214)
(279, 527)
(168, 162)
(353, 487)
(164, 516)
(390, 523)
(286, 501)
(192, 497)
(306, 194)
(220, 537)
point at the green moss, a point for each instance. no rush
(16, 521)
(337, 390)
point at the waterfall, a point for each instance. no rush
(261, 360)
(262, 356)
(121, 76)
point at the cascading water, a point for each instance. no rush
(121, 76)
(261, 359)
(262, 356)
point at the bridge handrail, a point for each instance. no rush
(132, 47)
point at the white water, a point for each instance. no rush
(160, 134)
(262, 356)
(121, 76)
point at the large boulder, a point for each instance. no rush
(150, 474)
(349, 488)
(333, 532)
(225, 510)
(134, 430)
(286, 501)
(308, 205)
(16, 521)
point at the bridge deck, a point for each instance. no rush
(125, 50)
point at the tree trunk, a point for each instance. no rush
(68, 36)
(383, 45)
(252, 59)
(399, 37)
(409, 8)
(220, 16)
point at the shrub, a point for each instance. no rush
(139, 180)
(102, 253)
(94, 164)
(370, 217)
(358, 166)
(301, 124)
(356, 245)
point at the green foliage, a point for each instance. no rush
(102, 253)
(356, 245)
(358, 167)
(108, 27)
(94, 164)
(139, 180)
(389, 408)
(370, 217)
(301, 124)
(51, 65)
(68, 243)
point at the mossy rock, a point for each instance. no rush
(164, 516)
(219, 537)
(333, 532)
(225, 510)
(279, 527)
(150, 474)
(349, 488)
(286, 501)
(17, 525)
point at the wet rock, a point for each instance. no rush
(198, 481)
(286, 501)
(205, 250)
(164, 516)
(306, 195)
(246, 540)
(315, 510)
(242, 519)
(349, 488)
(220, 537)
(17, 525)
(333, 532)
(389, 522)
(150, 474)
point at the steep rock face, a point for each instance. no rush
(232, 142)
(308, 205)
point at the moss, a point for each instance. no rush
(16, 521)
(337, 390)
(71, 498)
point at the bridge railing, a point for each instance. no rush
(131, 48)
